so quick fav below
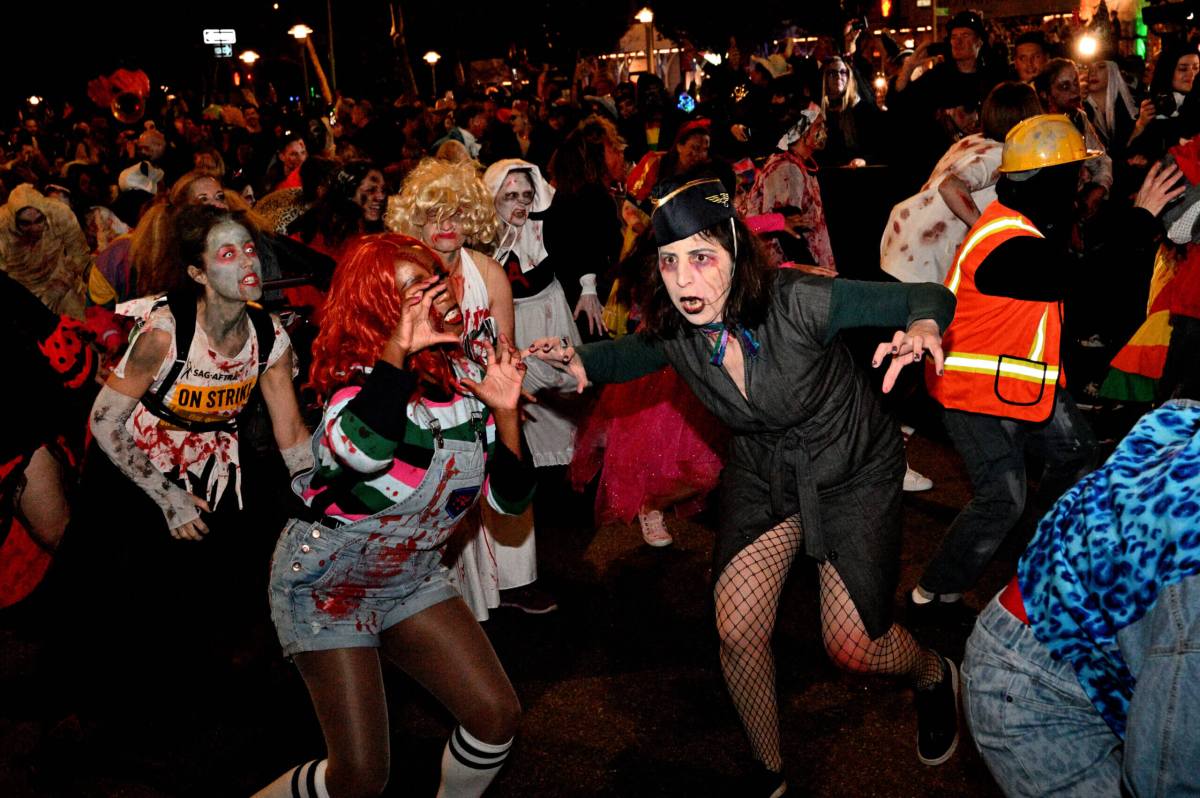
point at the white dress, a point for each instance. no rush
(501, 553)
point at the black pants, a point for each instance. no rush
(1181, 372)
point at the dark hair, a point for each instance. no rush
(468, 111)
(314, 173)
(192, 224)
(668, 166)
(288, 137)
(1046, 77)
(1163, 78)
(336, 216)
(1006, 105)
(749, 292)
(1033, 37)
(579, 160)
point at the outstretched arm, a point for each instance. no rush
(110, 414)
(622, 360)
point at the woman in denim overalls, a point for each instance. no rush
(404, 449)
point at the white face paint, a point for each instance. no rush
(697, 274)
(231, 267)
(515, 197)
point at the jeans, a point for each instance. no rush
(993, 450)
(1040, 734)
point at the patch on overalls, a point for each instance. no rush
(460, 501)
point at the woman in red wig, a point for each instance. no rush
(413, 432)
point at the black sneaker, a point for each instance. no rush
(950, 616)
(937, 717)
(759, 782)
(529, 599)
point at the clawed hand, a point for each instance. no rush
(908, 347)
(559, 353)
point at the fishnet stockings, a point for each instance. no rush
(747, 600)
(851, 648)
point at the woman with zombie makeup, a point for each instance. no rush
(413, 433)
(446, 205)
(522, 197)
(815, 465)
(168, 465)
(787, 185)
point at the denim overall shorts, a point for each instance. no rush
(338, 585)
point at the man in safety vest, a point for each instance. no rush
(1003, 388)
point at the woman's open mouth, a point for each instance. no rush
(453, 316)
(691, 304)
(251, 281)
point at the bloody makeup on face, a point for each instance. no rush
(697, 274)
(515, 197)
(443, 233)
(231, 265)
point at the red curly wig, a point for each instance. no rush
(363, 309)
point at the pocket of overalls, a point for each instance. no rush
(316, 552)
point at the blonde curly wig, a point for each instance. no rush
(437, 190)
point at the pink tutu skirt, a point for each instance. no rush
(653, 444)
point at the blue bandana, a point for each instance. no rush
(750, 344)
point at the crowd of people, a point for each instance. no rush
(374, 328)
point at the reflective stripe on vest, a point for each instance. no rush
(1002, 355)
(1006, 367)
(976, 238)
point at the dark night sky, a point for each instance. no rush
(54, 48)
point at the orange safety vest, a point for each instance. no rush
(1002, 354)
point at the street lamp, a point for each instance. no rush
(300, 32)
(646, 17)
(432, 58)
(249, 57)
(1087, 45)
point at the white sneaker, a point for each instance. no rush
(915, 482)
(654, 529)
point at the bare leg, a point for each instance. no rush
(747, 599)
(446, 651)
(42, 501)
(346, 686)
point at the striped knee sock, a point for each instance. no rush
(469, 765)
(304, 781)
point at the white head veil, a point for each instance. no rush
(524, 241)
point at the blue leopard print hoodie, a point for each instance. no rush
(1109, 545)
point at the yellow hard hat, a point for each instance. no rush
(1043, 140)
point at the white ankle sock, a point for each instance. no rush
(469, 765)
(304, 781)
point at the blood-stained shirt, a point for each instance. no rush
(789, 186)
(210, 387)
(922, 233)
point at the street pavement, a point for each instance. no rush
(620, 687)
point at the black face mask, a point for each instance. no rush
(1047, 198)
